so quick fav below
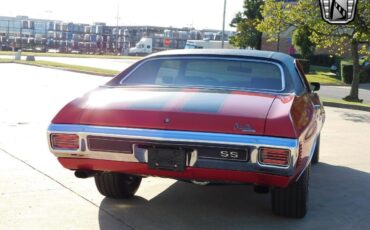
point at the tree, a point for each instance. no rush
(301, 41)
(306, 13)
(245, 22)
(275, 20)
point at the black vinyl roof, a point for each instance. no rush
(276, 56)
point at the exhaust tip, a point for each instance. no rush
(83, 174)
(202, 183)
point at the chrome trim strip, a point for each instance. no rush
(315, 106)
(177, 136)
(310, 157)
(300, 76)
(283, 84)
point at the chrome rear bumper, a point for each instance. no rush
(179, 138)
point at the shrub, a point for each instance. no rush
(323, 60)
(305, 65)
(338, 64)
(297, 56)
(301, 41)
(365, 76)
(347, 72)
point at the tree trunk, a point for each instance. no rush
(278, 41)
(259, 41)
(353, 96)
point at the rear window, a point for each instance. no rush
(208, 73)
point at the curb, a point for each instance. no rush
(346, 106)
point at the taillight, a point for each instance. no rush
(272, 156)
(65, 141)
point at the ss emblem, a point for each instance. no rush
(229, 154)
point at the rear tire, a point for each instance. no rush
(117, 185)
(316, 153)
(292, 201)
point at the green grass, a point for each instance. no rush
(69, 55)
(350, 61)
(343, 102)
(323, 76)
(346, 62)
(77, 68)
(5, 60)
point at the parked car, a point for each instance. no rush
(199, 116)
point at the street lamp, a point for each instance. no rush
(223, 27)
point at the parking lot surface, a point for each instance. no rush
(37, 193)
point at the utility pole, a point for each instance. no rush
(7, 32)
(48, 12)
(117, 32)
(20, 34)
(278, 41)
(223, 27)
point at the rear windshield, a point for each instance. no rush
(207, 73)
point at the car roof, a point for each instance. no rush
(277, 56)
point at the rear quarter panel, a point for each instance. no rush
(295, 117)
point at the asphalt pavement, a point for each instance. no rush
(37, 193)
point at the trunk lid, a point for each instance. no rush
(177, 109)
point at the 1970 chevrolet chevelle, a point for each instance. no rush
(199, 116)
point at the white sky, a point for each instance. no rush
(202, 14)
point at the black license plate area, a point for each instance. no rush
(228, 154)
(167, 159)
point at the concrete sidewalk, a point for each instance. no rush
(31, 199)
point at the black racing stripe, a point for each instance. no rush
(155, 103)
(206, 103)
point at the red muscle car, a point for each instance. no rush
(198, 116)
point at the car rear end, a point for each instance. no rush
(200, 118)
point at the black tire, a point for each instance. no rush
(292, 201)
(316, 153)
(117, 185)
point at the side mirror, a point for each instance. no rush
(315, 86)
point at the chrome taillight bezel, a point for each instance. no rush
(287, 157)
(68, 137)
